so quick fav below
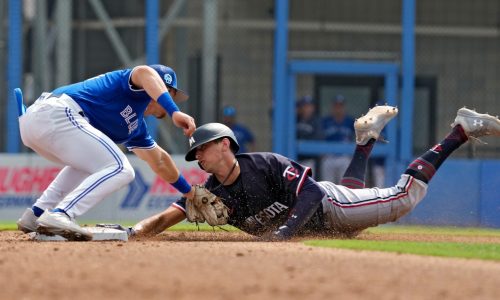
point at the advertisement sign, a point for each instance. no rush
(23, 178)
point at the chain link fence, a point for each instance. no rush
(457, 56)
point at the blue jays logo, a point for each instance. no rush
(168, 79)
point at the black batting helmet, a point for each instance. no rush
(207, 133)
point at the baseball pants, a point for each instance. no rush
(352, 210)
(94, 165)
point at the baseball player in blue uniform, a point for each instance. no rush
(337, 127)
(271, 196)
(243, 135)
(79, 125)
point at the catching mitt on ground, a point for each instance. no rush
(205, 206)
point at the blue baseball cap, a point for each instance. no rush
(305, 100)
(339, 99)
(170, 78)
(229, 111)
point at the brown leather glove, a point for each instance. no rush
(205, 206)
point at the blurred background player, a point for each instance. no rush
(308, 128)
(337, 127)
(244, 136)
(78, 125)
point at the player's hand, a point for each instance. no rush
(190, 194)
(184, 121)
(282, 234)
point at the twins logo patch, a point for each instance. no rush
(437, 148)
(291, 173)
(191, 141)
(168, 79)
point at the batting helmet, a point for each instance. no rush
(207, 133)
(170, 79)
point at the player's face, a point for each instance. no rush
(172, 92)
(210, 155)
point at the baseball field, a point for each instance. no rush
(386, 262)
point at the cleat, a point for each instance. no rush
(27, 222)
(58, 223)
(476, 125)
(372, 124)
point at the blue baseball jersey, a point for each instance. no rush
(113, 106)
(243, 136)
(338, 131)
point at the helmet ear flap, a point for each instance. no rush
(234, 146)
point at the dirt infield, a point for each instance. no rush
(232, 265)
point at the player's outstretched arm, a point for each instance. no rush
(163, 165)
(159, 222)
(184, 121)
(147, 78)
(308, 201)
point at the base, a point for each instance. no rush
(98, 234)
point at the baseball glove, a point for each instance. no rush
(205, 206)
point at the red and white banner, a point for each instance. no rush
(23, 178)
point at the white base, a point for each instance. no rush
(98, 234)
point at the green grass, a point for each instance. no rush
(8, 226)
(183, 226)
(444, 249)
(461, 231)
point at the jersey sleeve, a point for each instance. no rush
(308, 202)
(295, 178)
(141, 139)
(180, 204)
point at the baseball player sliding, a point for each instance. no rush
(78, 125)
(271, 196)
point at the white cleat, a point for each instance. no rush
(58, 223)
(27, 222)
(370, 125)
(476, 125)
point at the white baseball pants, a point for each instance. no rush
(352, 210)
(95, 166)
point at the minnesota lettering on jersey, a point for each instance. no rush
(128, 114)
(268, 213)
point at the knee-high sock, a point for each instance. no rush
(354, 176)
(424, 167)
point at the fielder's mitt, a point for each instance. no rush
(205, 206)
